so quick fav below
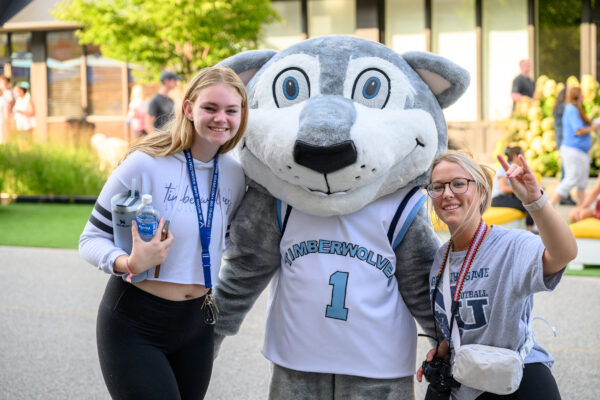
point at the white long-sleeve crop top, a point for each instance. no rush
(167, 180)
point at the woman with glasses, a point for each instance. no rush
(502, 271)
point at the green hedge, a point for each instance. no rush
(49, 169)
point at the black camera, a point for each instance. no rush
(439, 374)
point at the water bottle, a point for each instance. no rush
(124, 207)
(147, 218)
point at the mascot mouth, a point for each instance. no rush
(328, 193)
(337, 193)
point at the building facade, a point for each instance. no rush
(71, 83)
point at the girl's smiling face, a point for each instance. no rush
(455, 209)
(216, 114)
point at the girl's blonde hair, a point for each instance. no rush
(178, 134)
(483, 176)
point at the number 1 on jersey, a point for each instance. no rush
(337, 309)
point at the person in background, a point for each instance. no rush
(574, 149)
(590, 206)
(136, 116)
(522, 85)
(155, 333)
(160, 109)
(6, 91)
(502, 192)
(557, 113)
(23, 109)
(506, 268)
(5, 106)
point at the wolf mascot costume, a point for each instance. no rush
(341, 136)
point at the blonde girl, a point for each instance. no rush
(155, 334)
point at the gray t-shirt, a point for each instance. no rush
(161, 108)
(497, 296)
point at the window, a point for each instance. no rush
(453, 37)
(326, 17)
(505, 43)
(559, 39)
(104, 83)
(3, 45)
(63, 64)
(20, 58)
(281, 35)
(405, 25)
(4, 55)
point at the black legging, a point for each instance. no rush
(511, 201)
(152, 348)
(537, 384)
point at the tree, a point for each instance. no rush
(180, 35)
(559, 38)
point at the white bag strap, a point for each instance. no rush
(546, 322)
(528, 345)
(464, 269)
(454, 335)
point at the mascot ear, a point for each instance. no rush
(446, 80)
(246, 64)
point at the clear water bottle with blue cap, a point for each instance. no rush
(147, 218)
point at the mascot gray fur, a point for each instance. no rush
(340, 139)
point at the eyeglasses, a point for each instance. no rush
(457, 186)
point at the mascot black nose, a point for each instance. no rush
(325, 159)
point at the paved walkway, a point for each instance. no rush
(48, 303)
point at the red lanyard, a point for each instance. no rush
(466, 265)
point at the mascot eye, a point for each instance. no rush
(371, 88)
(290, 87)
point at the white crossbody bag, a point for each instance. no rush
(491, 369)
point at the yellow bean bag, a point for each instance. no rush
(493, 216)
(587, 233)
(502, 215)
(587, 228)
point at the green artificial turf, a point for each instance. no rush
(59, 226)
(43, 225)
(589, 270)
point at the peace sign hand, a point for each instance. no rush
(522, 180)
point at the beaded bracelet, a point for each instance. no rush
(538, 204)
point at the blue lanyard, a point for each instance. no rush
(204, 227)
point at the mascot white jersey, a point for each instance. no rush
(341, 135)
(354, 303)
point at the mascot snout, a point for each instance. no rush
(325, 159)
(324, 143)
